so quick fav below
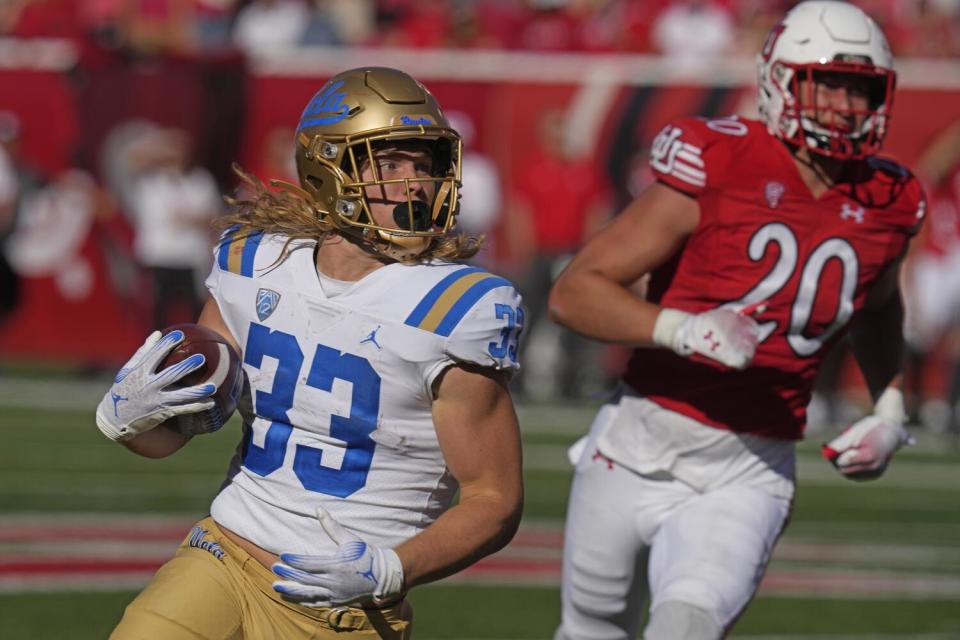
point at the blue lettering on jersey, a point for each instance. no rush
(353, 429)
(510, 334)
(327, 107)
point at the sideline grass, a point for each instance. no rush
(55, 461)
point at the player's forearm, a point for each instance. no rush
(877, 341)
(599, 308)
(476, 527)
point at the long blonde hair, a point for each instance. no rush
(290, 213)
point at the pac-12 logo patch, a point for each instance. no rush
(267, 301)
(774, 191)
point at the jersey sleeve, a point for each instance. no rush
(690, 155)
(481, 325)
(489, 334)
(918, 206)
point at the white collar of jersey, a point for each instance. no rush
(331, 286)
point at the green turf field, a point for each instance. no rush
(874, 560)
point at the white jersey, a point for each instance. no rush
(338, 408)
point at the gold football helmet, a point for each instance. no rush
(354, 114)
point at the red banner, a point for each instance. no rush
(84, 300)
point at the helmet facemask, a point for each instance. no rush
(834, 44)
(842, 133)
(426, 209)
(356, 116)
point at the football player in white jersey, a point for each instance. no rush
(376, 388)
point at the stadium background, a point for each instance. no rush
(83, 524)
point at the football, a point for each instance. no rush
(222, 368)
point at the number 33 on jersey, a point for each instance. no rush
(340, 388)
(764, 237)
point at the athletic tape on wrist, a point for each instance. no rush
(665, 328)
(890, 406)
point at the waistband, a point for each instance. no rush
(338, 618)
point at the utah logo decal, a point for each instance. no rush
(267, 301)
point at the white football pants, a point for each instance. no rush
(632, 539)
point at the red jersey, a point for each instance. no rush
(764, 237)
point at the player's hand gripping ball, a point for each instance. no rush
(222, 368)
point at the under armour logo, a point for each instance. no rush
(714, 343)
(372, 338)
(116, 400)
(848, 212)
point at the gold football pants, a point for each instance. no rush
(214, 590)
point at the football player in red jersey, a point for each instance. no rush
(765, 242)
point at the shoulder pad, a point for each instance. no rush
(888, 166)
(236, 251)
(489, 335)
(478, 312)
(451, 299)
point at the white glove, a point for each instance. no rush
(728, 336)
(357, 573)
(139, 400)
(864, 449)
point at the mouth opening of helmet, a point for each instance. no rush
(850, 124)
(424, 205)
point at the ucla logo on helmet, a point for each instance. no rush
(327, 107)
(267, 301)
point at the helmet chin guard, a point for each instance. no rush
(824, 41)
(356, 114)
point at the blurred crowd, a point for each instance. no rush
(925, 28)
(153, 211)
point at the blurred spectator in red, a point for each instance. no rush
(45, 19)
(10, 193)
(266, 25)
(159, 26)
(754, 19)
(54, 222)
(560, 201)
(929, 29)
(499, 23)
(481, 208)
(551, 27)
(276, 157)
(694, 31)
(420, 24)
(932, 288)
